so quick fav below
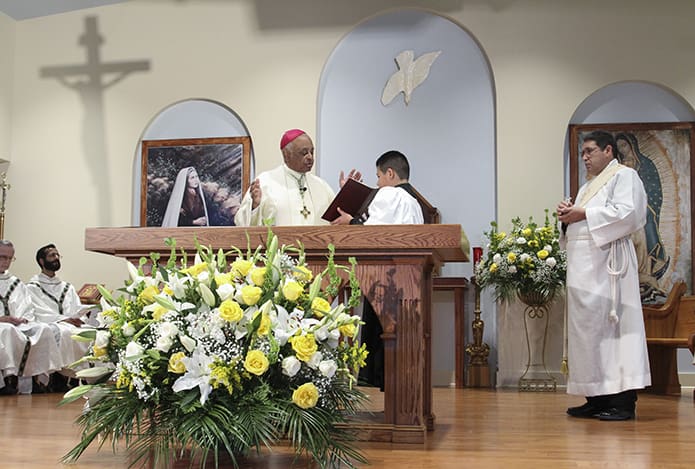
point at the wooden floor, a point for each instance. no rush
(475, 428)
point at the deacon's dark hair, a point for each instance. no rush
(395, 160)
(603, 139)
(41, 253)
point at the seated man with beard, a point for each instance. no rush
(56, 302)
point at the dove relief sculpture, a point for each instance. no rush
(411, 73)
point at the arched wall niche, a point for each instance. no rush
(190, 118)
(447, 131)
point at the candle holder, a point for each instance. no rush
(4, 187)
(478, 370)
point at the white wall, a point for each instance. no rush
(264, 60)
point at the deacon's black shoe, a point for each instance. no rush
(10, 387)
(586, 411)
(614, 414)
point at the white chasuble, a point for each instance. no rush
(607, 349)
(288, 198)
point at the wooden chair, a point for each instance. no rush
(664, 337)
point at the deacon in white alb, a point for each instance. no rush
(56, 302)
(607, 348)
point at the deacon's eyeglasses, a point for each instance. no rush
(589, 151)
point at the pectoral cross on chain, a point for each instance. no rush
(304, 211)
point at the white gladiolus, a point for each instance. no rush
(314, 361)
(188, 343)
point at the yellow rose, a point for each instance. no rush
(302, 274)
(511, 257)
(320, 307)
(258, 276)
(241, 267)
(306, 396)
(221, 279)
(348, 330)
(196, 269)
(158, 312)
(493, 267)
(231, 311)
(98, 351)
(542, 254)
(256, 362)
(147, 295)
(176, 363)
(250, 294)
(292, 290)
(304, 346)
(501, 235)
(527, 232)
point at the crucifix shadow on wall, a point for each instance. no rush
(90, 79)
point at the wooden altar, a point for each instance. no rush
(394, 267)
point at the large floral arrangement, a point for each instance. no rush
(527, 261)
(221, 357)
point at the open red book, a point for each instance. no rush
(353, 198)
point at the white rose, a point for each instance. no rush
(512, 269)
(314, 361)
(164, 344)
(168, 330)
(524, 257)
(328, 368)
(291, 366)
(520, 240)
(128, 329)
(551, 261)
(226, 291)
(497, 259)
(133, 349)
(548, 248)
(102, 339)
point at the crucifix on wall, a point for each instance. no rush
(90, 80)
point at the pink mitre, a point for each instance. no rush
(290, 135)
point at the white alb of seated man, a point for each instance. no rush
(27, 348)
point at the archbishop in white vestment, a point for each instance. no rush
(289, 198)
(607, 347)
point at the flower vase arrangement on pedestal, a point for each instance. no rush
(222, 357)
(526, 263)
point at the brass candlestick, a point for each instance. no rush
(478, 371)
(4, 186)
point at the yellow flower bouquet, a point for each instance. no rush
(224, 356)
(527, 261)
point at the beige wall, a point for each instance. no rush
(7, 28)
(546, 57)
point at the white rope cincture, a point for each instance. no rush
(618, 252)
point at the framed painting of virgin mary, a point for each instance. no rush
(193, 182)
(662, 155)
